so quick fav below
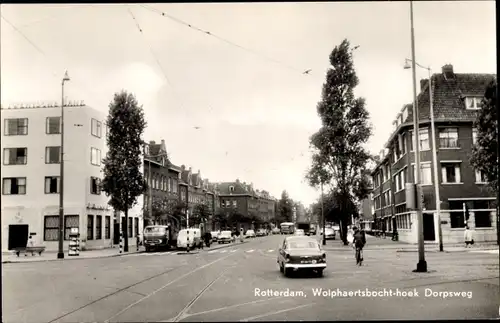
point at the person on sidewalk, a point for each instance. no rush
(29, 244)
(469, 239)
(208, 238)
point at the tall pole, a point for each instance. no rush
(422, 264)
(435, 164)
(150, 192)
(60, 253)
(323, 215)
(498, 163)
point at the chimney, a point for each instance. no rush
(183, 168)
(423, 84)
(199, 172)
(152, 142)
(163, 142)
(190, 169)
(448, 72)
(237, 181)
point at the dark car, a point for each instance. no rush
(301, 253)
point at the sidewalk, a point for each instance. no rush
(11, 257)
(376, 243)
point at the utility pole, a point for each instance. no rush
(323, 215)
(422, 264)
(498, 163)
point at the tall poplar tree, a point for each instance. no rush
(123, 181)
(485, 151)
(340, 158)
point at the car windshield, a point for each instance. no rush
(154, 230)
(225, 233)
(303, 245)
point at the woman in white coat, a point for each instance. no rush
(468, 238)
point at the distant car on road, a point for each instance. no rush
(261, 233)
(299, 232)
(225, 237)
(301, 253)
(312, 231)
(329, 234)
(250, 234)
(276, 231)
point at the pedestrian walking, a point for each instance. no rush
(208, 238)
(29, 244)
(468, 237)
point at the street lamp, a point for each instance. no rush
(60, 254)
(434, 152)
(323, 215)
(422, 264)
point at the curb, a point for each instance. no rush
(71, 258)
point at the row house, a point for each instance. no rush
(456, 101)
(31, 153)
(242, 198)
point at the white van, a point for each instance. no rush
(194, 238)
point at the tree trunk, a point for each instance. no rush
(343, 216)
(125, 232)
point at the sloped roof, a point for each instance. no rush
(239, 188)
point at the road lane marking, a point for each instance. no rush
(164, 286)
(270, 250)
(231, 306)
(233, 251)
(495, 251)
(212, 251)
(251, 250)
(275, 312)
(223, 251)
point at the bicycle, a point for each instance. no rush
(359, 255)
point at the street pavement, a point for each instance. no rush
(230, 284)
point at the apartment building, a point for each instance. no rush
(31, 141)
(456, 101)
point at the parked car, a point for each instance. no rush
(312, 231)
(250, 234)
(225, 237)
(299, 232)
(276, 231)
(329, 234)
(189, 237)
(215, 235)
(301, 253)
(261, 233)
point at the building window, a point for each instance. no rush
(450, 172)
(95, 185)
(70, 222)
(399, 180)
(235, 204)
(457, 218)
(474, 136)
(90, 227)
(96, 128)
(98, 227)
(15, 156)
(52, 184)
(473, 103)
(231, 189)
(129, 227)
(425, 174)
(423, 138)
(136, 226)
(481, 177)
(16, 127)
(448, 138)
(51, 228)
(52, 155)
(95, 156)
(107, 230)
(482, 219)
(53, 125)
(14, 186)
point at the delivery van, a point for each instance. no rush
(194, 236)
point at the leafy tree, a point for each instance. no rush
(285, 208)
(485, 152)
(201, 212)
(221, 218)
(123, 181)
(340, 158)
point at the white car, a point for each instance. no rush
(250, 234)
(215, 235)
(300, 232)
(225, 237)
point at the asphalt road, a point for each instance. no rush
(223, 285)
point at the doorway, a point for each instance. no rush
(429, 232)
(18, 235)
(116, 233)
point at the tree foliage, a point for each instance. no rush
(285, 208)
(484, 153)
(123, 181)
(201, 213)
(164, 208)
(340, 158)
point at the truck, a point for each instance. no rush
(160, 237)
(306, 226)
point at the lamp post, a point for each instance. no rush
(422, 264)
(434, 152)
(323, 215)
(60, 253)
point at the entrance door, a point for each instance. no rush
(18, 235)
(116, 233)
(429, 232)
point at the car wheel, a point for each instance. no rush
(148, 249)
(320, 273)
(286, 272)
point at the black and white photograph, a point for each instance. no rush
(249, 161)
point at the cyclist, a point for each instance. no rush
(359, 242)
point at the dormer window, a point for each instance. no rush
(405, 114)
(473, 103)
(231, 189)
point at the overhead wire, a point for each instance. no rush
(229, 42)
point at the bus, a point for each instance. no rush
(287, 228)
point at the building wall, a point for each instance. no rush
(35, 204)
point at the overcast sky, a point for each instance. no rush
(255, 112)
